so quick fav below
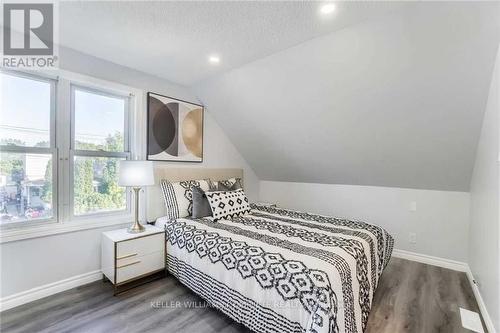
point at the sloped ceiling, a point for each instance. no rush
(395, 101)
(173, 39)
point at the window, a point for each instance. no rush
(27, 149)
(24, 97)
(100, 141)
(66, 169)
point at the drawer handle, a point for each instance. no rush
(126, 256)
(130, 264)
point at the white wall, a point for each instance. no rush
(370, 104)
(35, 262)
(440, 221)
(31, 263)
(218, 151)
(484, 234)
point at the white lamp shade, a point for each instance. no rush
(136, 173)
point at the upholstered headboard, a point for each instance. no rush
(155, 204)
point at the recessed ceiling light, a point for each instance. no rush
(213, 59)
(327, 8)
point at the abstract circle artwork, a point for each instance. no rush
(175, 129)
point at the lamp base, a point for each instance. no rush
(136, 228)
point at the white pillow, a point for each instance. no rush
(178, 196)
(228, 204)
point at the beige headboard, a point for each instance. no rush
(154, 201)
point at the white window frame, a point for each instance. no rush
(63, 220)
(92, 153)
(51, 150)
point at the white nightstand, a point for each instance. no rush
(128, 257)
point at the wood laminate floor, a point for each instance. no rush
(411, 297)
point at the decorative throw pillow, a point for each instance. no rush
(214, 186)
(178, 196)
(227, 204)
(201, 206)
(224, 186)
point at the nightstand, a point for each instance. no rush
(127, 257)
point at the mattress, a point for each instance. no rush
(279, 270)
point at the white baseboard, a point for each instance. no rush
(27, 296)
(480, 302)
(431, 260)
(456, 266)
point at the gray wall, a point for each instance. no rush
(392, 101)
(484, 234)
(440, 222)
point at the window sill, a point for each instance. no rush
(49, 229)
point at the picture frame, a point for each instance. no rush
(174, 129)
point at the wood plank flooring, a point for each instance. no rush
(411, 297)
(414, 297)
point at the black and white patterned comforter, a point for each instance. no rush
(278, 270)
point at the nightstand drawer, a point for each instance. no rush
(139, 246)
(139, 266)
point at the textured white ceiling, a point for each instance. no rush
(396, 100)
(172, 39)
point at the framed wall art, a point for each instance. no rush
(175, 129)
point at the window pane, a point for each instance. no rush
(23, 99)
(96, 185)
(25, 187)
(99, 121)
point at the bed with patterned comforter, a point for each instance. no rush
(278, 270)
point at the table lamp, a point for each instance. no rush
(136, 174)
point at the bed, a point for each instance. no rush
(280, 270)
